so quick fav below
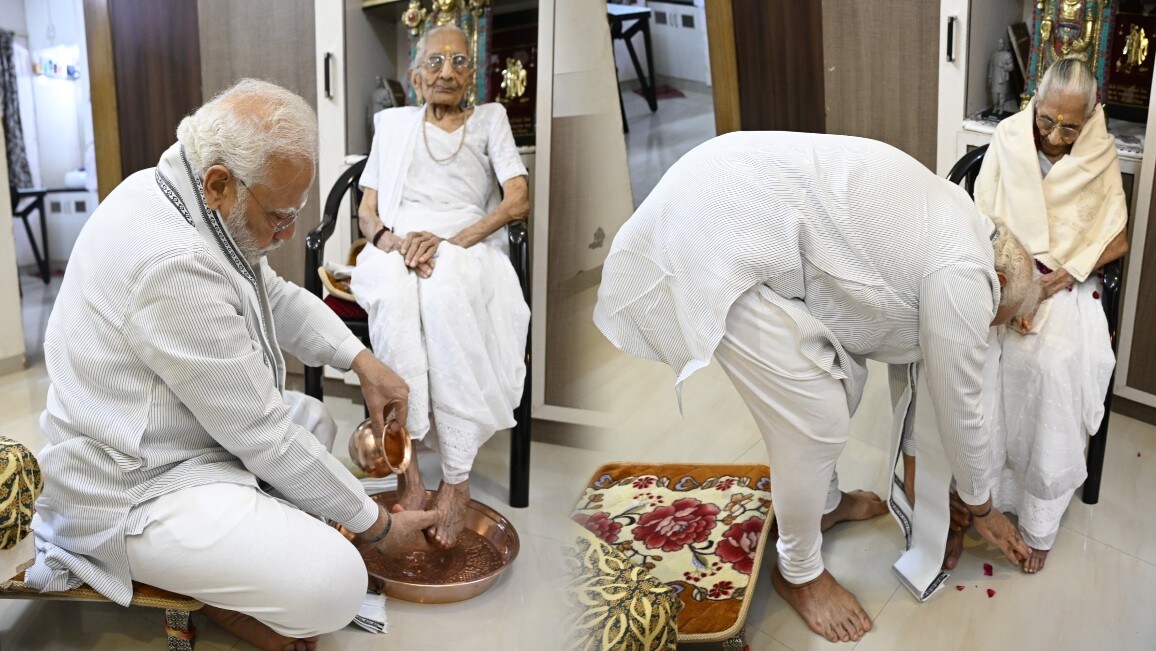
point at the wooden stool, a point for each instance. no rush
(178, 608)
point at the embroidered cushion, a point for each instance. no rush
(20, 485)
(699, 528)
(617, 604)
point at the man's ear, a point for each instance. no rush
(217, 185)
(1002, 279)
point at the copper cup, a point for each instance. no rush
(378, 455)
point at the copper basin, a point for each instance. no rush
(487, 523)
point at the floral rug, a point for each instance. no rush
(701, 529)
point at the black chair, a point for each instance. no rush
(356, 319)
(965, 171)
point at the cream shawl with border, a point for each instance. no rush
(1068, 218)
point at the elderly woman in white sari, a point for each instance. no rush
(1052, 176)
(444, 303)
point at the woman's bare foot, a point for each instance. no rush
(1035, 561)
(256, 633)
(825, 606)
(410, 489)
(856, 505)
(451, 506)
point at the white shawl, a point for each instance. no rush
(1068, 218)
(395, 134)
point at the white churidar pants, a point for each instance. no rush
(802, 414)
(237, 548)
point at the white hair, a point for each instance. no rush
(1014, 261)
(246, 126)
(1069, 77)
(420, 52)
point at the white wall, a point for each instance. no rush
(11, 317)
(12, 16)
(63, 124)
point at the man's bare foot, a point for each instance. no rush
(410, 489)
(909, 478)
(856, 505)
(451, 507)
(256, 633)
(957, 527)
(1035, 561)
(825, 606)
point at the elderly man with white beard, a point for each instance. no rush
(167, 416)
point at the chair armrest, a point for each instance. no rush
(520, 255)
(315, 240)
(967, 168)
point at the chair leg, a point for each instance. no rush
(1097, 446)
(179, 627)
(520, 450)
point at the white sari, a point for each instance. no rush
(1044, 392)
(457, 338)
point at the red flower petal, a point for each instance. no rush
(960, 587)
(990, 593)
(1095, 294)
(987, 569)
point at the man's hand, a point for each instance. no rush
(383, 390)
(997, 530)
(405, 534)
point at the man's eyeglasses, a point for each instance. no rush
(280, 222)
(1046, 125)
(436, 62)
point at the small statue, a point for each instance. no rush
(414, 17)
(1135, 50)
(514, 79)
(999, 72)
(1067, 29)
(445, 10)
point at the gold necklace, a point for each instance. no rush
(425, 137)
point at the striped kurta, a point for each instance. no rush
(163, 351)
(890, 262)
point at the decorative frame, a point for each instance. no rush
(472, 16)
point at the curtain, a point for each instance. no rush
(19, 174)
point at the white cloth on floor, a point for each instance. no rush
(802, 414)
(372, 615)
(458, 337)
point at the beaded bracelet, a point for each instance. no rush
(384, 531)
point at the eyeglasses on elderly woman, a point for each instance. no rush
(459, 62)
(1046, 125)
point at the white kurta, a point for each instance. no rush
(163, 349)
(457, 338)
